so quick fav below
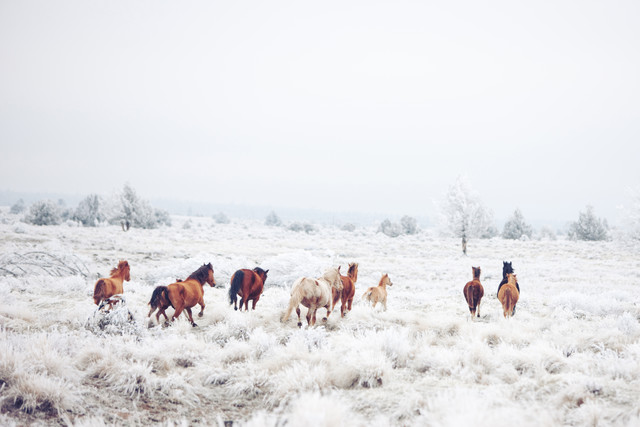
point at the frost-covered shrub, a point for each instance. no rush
(298, 226)
(90, 211)
(348, 227)
(44, 212)
(515, 227)
(589, 227)
(18, 207)
(389, 228)
(409, 225)
(221, 218)
(273, 220)
(163, 217)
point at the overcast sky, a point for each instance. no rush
(336, 105)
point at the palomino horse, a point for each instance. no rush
(507, 268)
(378, 293)
(183, 295)
(348, 289)
(473, 292)
(508, 295)
(313, 294)
(108, 287)
(248, 284)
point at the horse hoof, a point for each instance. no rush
(194, 324)
(324, 319)
(299, 324)
(200, 314)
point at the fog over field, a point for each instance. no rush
(571, 354)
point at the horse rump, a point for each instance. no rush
(99, 291)
(159, 299)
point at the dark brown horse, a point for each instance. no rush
(348, 289)
(248, 284)
(473, 293)
(108, 287)
(183, 295)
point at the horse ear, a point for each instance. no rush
(266, 272)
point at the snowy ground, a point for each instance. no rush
(571, 355)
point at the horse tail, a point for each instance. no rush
(234, 287)
(158, 293)
(508, 301)
(472, 301)
(367, 295)
(296, 299)
(99, 291)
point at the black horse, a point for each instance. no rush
(507, 269)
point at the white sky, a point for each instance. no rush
(334, 105)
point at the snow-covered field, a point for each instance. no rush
(571, 355)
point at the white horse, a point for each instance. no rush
(314, 294)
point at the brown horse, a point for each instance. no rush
(378, 293)
(473, 292)
(248, 284)
(508, 295)
(108, 287)
(183, 295)
(348, 289)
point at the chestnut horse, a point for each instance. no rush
(378, 293)
(508, 296)
(314, 294)
(183, 295)
(506, 269)
(248, 284)
(348, 289)
(473, 292)
(108, 287)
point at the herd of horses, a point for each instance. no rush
(313, 293)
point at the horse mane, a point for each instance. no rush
(201, 273)
(382, 279)
(121, 266)
(352, 268)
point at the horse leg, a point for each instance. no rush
(311, 312)
(343, 308)
(255, 301)
(384, 303)
(176, 314)
(478, 309)
(241, 302)
(298, 313)
(349, 302)
(328, 307)
(188, 309)
(201, 302)
(313, 317)
(246, 304)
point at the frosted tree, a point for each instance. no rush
(273, 219)
(589, 227)
(463, 215)
(221, 218)
(409, 225)
(129, 208)
(44, 212)
(90, 211)
(515, 227)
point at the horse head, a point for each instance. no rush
(476, 272)
(123, 267)
(353, 271)
(210, 280)
(262, 273)
(506, 269)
